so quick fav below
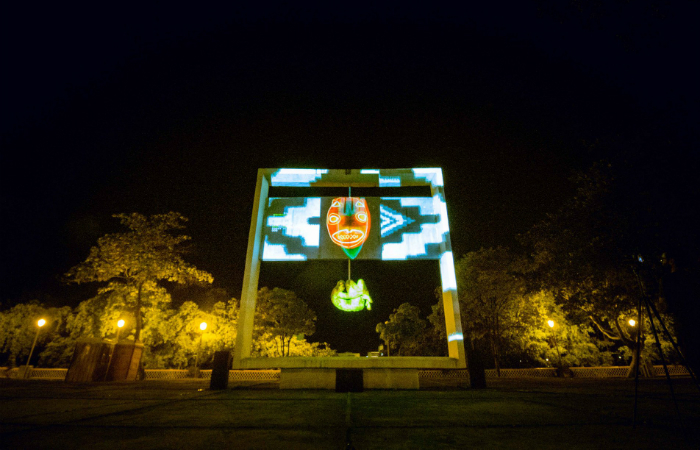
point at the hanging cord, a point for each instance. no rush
(349, 260)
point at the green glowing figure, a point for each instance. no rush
(354, 299)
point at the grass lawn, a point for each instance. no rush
(533, 413)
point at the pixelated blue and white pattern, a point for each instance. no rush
(455, 337)
(294, 233)
(414, 245)
(389, 181)
(409, 228)
(392, 221)
(296, 221)
(440, 208)
(447, 272)
(278, 252)
(433, 175)
(296, 177)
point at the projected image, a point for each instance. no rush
(292, 229)
(348, 222)
(412, 228)
(407, 228)
(350, 296)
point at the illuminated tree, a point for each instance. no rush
(131, 264)
(18, 327)
(537, 342)
(435, 337)
(600, 256)
(403, 331)
(171, 336)
(491, 297)
(226, 316)
(282, 315)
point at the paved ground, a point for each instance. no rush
(511, 413)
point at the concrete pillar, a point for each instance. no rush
(249, 294)
(453, 319)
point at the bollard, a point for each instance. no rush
(219, 373)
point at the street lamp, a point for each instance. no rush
(40, 323)
(554, 337)
(632, 322)
(202, 326)
(120, 324)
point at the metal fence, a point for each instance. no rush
(233, 375)
(601, 372)
(174, 374)
(547, 372)
(274, 375)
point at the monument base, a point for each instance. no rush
(320, 378)
(98, 360)
(349, 362)
(390, 378)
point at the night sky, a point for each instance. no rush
(153, 110)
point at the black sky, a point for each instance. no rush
(159, 109)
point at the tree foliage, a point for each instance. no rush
(132, 263)
(171, 336)
(281, 315)
(18, 329)
(403, 331)
(600, 254)
(491, 296)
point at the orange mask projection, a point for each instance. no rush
(348, 224)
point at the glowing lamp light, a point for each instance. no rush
(550, 323)
(41, 323)
(203, 326)
(632, 322)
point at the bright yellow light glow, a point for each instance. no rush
(41, 322)
(203, 326)
(550, 323)
(632, 322)
(120, 323)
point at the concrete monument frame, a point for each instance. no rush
(267, 178)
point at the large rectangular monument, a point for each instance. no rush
(380, 228)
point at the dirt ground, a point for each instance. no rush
(521, 413)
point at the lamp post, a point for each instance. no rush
(633, 324)
(40, 323)
(202, 326)
(554, 337)
(120, 324)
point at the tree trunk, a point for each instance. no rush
(137, 314)
(494, 340)
(495, 355)
(141, 373)
(646, 368)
